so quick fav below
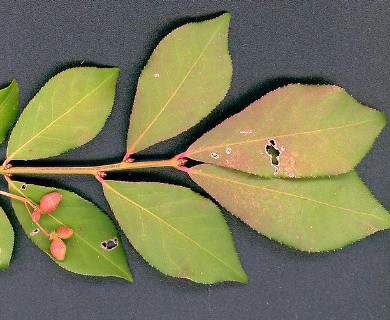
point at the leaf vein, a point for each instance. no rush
(175, 92)
(57, 119)
(168, 225)
(190, 152)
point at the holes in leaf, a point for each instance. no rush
(109, 244)
(34, 232)
(273, 152)
(23, 186)
(214, 155)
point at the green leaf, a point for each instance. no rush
(187, 75)
(295, 131)
(9, 101)
(67, 112)
(85, 254)
(307, 214)
(6, 240)
(176, 230)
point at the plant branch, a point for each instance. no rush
(13, 196)
(93, 170)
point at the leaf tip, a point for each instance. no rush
(243, 277)
(224, 19)
(14, 83)
(226, 16)
(128, 277)
(383, 119)
(115, 70)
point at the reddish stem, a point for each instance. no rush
(26, 202)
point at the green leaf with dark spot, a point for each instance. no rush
(177, 231)
(69, 110)
(6, 240)
(188, 74)
(295, 131)
(9, 101)
(85, 253)
(307, 214)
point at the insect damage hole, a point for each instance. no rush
(214, 155)
(23, 186)
(272, 150)
(109, 244)
(34, 232)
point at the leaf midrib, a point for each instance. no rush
(285, 194)
(57, 119)
(162, 221)
(143, 133)
(190, 152)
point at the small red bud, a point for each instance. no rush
(58, 249)
(64, 232)
(49, 202)
(36, 215)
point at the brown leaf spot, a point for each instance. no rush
(287, 164)
(372, 229)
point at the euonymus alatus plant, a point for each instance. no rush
(259, 164)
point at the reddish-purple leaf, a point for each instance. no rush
(295, 131)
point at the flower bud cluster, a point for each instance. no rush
(48, 204)
(58, 246)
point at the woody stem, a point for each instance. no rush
(14, 196)
(93, 170)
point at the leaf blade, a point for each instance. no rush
(6, 240)
(91, 227)
(192, 56)
(49, 124)
(171, 239)
(9, 101)
(317, 130)
(307, 214)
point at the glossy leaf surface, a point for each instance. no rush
(85, 251)
(9, 101)
(187, 75)
(307, 214)
(176, 230)
(6, 240)
(294, 131)
(69, 110)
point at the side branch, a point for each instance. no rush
(94, 170)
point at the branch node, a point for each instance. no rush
(101, 174)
